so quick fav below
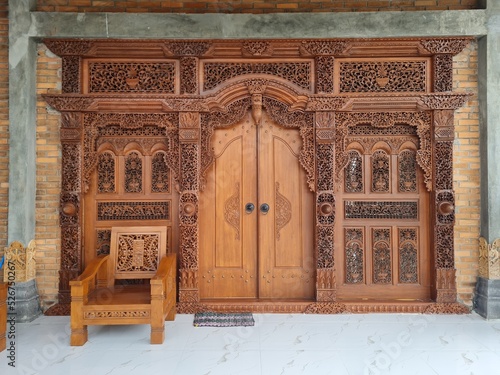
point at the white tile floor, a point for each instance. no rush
(277, 344)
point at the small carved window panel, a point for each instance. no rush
(354, 255)
(407, 171)
(106, 173)
(381, 180)
(354, 173)
(133, 173)
(160, 174)
(408, 255)
(382, 268)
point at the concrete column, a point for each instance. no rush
(487, 294)
(22, 143)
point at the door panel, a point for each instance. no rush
(256, 254)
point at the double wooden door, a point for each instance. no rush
(256, 216)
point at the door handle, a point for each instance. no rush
(249, 207)
(264, 208)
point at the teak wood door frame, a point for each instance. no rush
(311, 85)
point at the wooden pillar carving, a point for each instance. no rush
(444, 209)
(189, 139)
(70, 202)
(325, 206)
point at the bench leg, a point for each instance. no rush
(157, 334)
(78, 336)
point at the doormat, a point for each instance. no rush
(214, 319)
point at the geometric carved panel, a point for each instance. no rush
(381, 210)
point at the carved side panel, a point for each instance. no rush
(443, 73)
(354, 173)
(382, 259)
(408, 255)
(71, 74)
(407, 172)
(160, 173)
(354, 255)
(106, 173)
(324, 74)
(381, 176)
(189, 75)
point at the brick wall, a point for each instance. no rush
(467, 175)
(4, 123)
(48, 179)
(250, 6)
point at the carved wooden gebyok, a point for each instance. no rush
(374, 125)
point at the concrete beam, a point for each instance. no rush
(262, 26)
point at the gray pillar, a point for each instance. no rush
(22, 144)
(487, 293)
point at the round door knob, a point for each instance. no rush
(249, 207)
(264, 208)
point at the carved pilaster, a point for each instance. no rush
(325, 206)
(20, 261)
(189, 75)
(444, 208)
(189, 139)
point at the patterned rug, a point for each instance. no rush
(214, 319)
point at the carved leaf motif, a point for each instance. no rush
(283, 211)
(232, 210)
(137, 252)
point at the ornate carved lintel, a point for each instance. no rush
(451, 46)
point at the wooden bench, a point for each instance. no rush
(135, 253)
(3, 315)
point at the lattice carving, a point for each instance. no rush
(354, 255)
(382, 267)
(232, 210)
(445, 203)
(71, 167)
(69, 47)
(158, 77)
(447, 309)
(133, 173)
(70, 208)
(189, 75)
(407, 171)
(325, 241)
(408, 255)
(380, 172)
(325, 47)
(324, 74)
(137, 252)
(190, 169)
(384, 120)
(443, 237)
(354, 173)
(444, 165)
(188, 235)
(325, 208)
(133, 210)
(103, 241)
(71, 74)
(381, 210)
(257, 48)
(283, 211)
(215, 73)
(160, 173)
(449, 46)
(70, 248)
(394, 130)
(106, 173)
(443, 73)
(185, 48)
(117, 314)
(325, 166)
(387, 76)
